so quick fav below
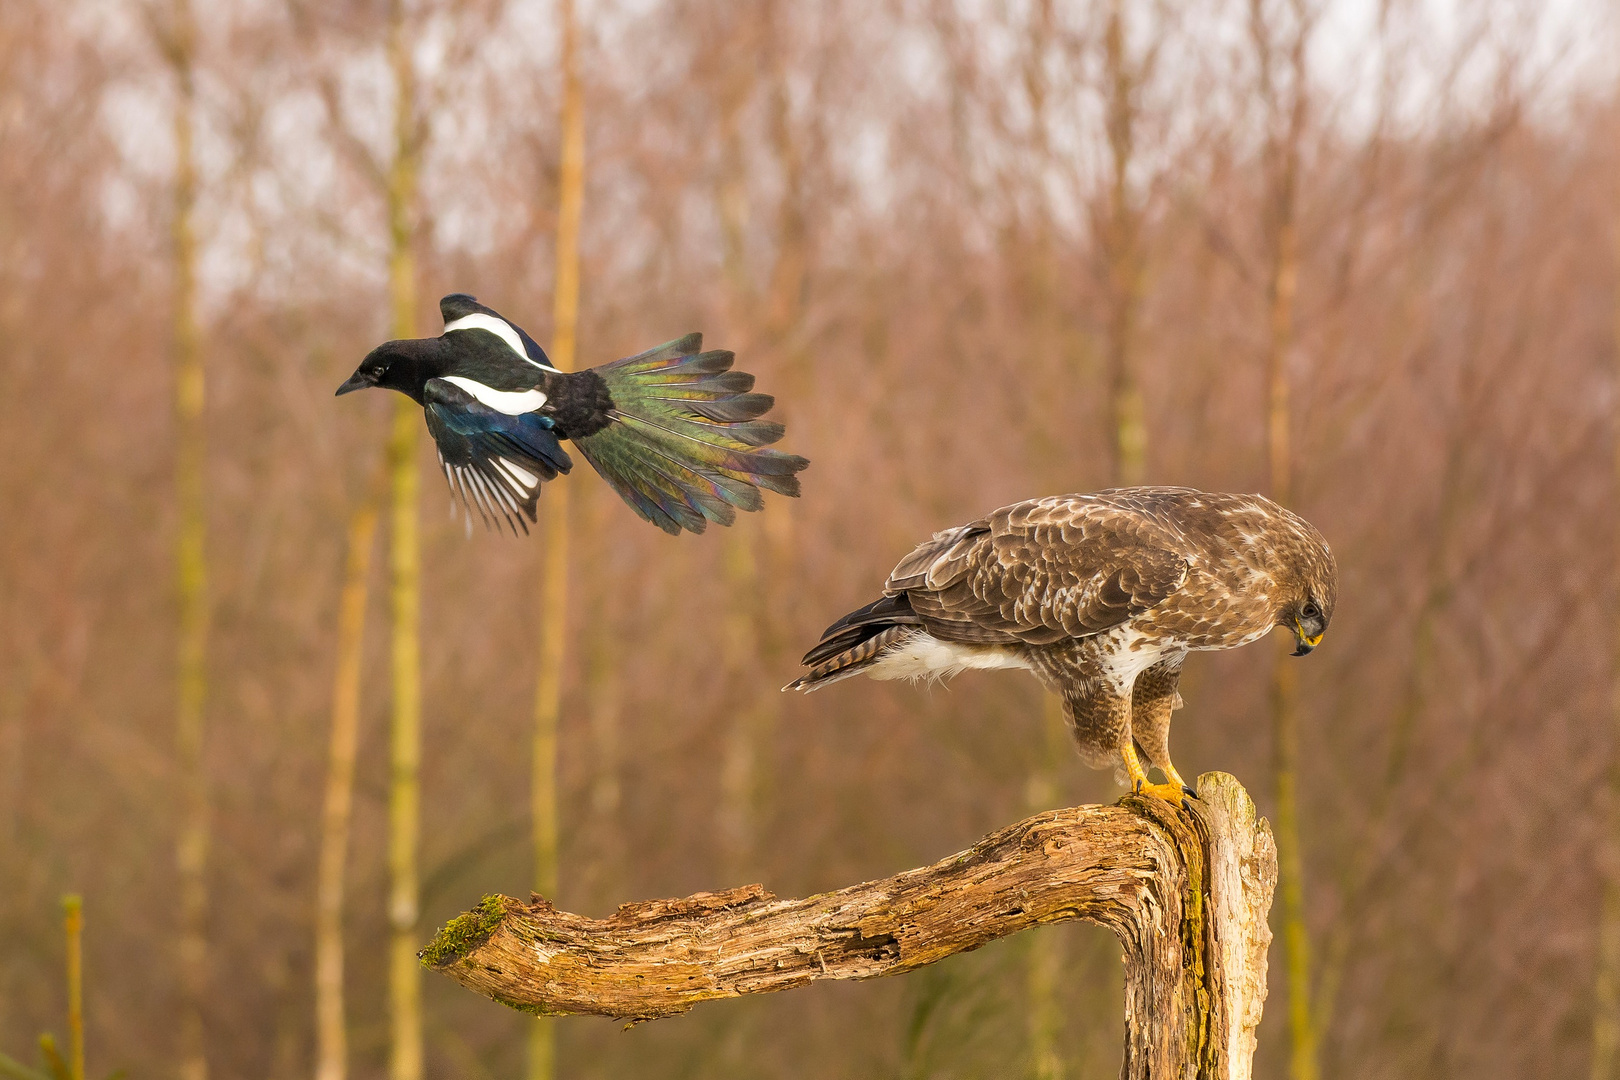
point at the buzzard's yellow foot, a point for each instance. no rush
(1176, 791)
(1177, 781)
(1171, 793)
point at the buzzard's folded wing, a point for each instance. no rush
(1040, 571)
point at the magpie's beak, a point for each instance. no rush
(357, 381)
(1305, 644)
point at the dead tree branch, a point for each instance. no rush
(1186, 892)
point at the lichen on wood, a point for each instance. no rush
(465, 932)
(1185, 891)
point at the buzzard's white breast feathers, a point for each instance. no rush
(1126, 651)
(924, 656)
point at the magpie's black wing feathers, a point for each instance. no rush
(494, 461)
(460, 305)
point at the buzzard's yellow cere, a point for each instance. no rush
(1101, 597)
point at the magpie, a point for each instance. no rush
(674, 430)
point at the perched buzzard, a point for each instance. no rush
(1101, 597)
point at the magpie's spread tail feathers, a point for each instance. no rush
(684, 444)
(857, 641)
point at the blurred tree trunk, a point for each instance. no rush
(1122, 242)
(1045, 959)
(1045, 965)
(1440, 580)
(739, 563)
(405, 741)
(177, 38)
(785, 294)
(740, 772)
(1362, 871)
(554, 553)
(1285, 115)
(73, 933)
(604, 705)
(757, 38)
(1606, 993)
(331, 1033)
(1046, 962)
(784, 297)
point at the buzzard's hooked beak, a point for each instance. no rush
(357, 381)
(1306, 644)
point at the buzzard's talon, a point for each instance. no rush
(1175, 792)
(1175, 778)
(1170, 793)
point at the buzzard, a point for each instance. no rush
(1101, 597)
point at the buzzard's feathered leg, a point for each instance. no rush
(1152, 701)
(1100, 721)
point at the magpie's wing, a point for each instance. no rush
(463, 312)
(494, 461)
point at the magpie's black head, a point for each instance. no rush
(399, 365)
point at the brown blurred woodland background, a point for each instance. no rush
(1363, 253)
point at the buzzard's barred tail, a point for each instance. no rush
(684, 445)
(857, 641)
(851, 661)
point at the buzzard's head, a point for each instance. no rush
(1311, 586)
(1308, 622)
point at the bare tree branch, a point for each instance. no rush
(1187, 893)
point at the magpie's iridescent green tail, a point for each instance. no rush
(677, 433)
(684, 444)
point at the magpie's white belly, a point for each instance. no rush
(923, 656)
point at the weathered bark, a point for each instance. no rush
(1186, 892)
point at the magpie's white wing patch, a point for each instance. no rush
(521, 476)
(497, 493)
(502, 329)
(510, 402)
(494, 460)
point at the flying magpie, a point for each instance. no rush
(674, 430)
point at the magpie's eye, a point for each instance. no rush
(1311, 611)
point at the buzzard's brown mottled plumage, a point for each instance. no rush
(1101, 597)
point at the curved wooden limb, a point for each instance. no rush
(1186, 891)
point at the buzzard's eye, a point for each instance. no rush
(1311, 611)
